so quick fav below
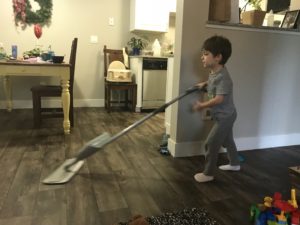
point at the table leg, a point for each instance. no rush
(7, 92)
(65, 97)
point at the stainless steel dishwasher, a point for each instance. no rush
(154, 82)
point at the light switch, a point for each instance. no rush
(94, 39)
(111, 21)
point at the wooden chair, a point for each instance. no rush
(40, 91)
(130, 88)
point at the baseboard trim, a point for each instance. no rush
(183, 149)
(168, 127)
(27, 104)
(186, 149)
(268, 141)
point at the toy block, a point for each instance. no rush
(294, 174)
(293, 200)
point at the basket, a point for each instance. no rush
(253, 17)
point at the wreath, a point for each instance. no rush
(25, 16)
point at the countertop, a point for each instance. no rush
(239, 26)
(151, 56)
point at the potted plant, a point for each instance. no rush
(137, 44)
(254, 3)
(253, 17)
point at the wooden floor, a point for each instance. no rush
(128, 177)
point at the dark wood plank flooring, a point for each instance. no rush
(128, 177)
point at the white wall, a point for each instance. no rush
(265, 70)
(75, 18)
(70, 18)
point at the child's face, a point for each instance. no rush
(209, 60)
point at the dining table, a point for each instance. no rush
(23, 68)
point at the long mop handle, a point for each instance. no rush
(160, 109)
(153, 113)
(95, 145)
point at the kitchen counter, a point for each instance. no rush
(245, 27)
(151, 56)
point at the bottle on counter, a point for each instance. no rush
(50, 53)
(156, 48)
(125, 56)
(14, 51)
(270, 19)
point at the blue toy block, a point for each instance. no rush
(262, 218)
(241, 158)
(270, 216)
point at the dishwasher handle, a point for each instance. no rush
(155, 64)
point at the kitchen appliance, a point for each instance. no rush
(154, 82)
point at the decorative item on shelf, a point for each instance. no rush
(270, 19)
(219, 10)
(156, 48)
(253, 17)
(291, 19)
(24, 15)
(137, 44)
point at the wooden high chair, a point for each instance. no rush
(130, 88)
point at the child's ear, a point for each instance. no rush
(219, 57)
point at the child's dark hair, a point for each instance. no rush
(218, 45)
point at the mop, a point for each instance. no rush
(70, 167)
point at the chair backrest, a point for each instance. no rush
(72, 61)
(113, 55)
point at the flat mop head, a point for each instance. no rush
(64, 173)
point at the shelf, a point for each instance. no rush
(244, 27)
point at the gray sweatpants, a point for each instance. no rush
(220, 135)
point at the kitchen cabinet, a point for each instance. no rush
(171, 5)
(148, 15)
